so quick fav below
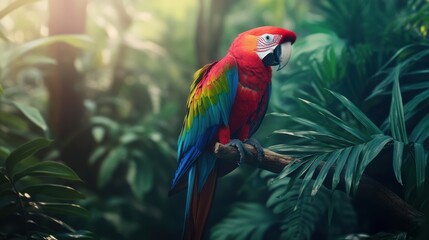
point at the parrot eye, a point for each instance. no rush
(268, 38)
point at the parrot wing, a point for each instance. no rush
(209, 106)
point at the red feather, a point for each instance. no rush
(245, 115)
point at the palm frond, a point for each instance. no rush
(299, 210)
(349, 147)
(245, 221)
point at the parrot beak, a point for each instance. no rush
(283, 52)
(280, 55)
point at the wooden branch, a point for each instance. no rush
(272, 162)
(398, 212)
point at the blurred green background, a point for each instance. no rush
(107, 82)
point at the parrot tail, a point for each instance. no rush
(199, 201)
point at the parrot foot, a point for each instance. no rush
(241, 149)
(259, 149)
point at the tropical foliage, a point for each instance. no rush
(95, 160)
(361, 106)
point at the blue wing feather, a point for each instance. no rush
(194, 141)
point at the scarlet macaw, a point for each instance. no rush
(227, 102)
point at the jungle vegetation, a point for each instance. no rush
(92, 100)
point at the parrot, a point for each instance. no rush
(228, 100)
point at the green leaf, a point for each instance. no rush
(337, 121)
(33, 114)
(98, 133)
(16, 54)
(300, 148)
(244, 221)
(330, 160)
(54, 191)
(75, 40)
(314, 135)
(139, 177)
(396, 115)
(298, 213)
(12, 121)
(358, 114)
(398, 150)
(289, 169)
(60, 208)
(420, 132)
(412, 106)
(370, 151)
(48, 169)
(420, 160)
(25, 151)
(4, 153)
(342, 159)
(309, 175)
(352, 165)
(97, 154)
(14, 5)
(109, 165)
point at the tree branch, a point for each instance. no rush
(398, 212)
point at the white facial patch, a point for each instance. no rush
(266, 44)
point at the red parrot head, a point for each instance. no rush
(271, 45)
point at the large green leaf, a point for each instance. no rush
(53, 191)
(48, 169)
(24, 151)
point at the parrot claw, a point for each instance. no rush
(241, 149)
(258, 147)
